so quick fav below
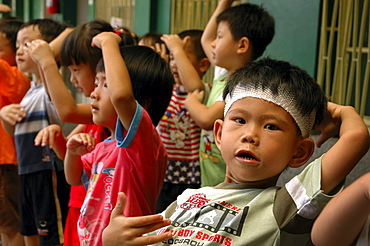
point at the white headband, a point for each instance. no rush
(284, 100)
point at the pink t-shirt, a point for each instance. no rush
(134, 163)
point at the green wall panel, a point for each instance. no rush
(296, 31)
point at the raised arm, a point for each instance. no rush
(77, 145)
(68, 110)
(56, 44)
(203, 115)
(210, 32)
(4, 8)
(344, 216)
(352, 145)
(117, 77)
(188, 74)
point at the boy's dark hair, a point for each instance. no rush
(151, 38)
(251, 21)
(76, 47)
(277, 76)
(10, 28)
(195, 36)
(151, 78)
(49, 29)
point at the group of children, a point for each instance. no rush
(155, 138)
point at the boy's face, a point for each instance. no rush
(24, 61)
(101, 106)
(189, 50)
(257, 140)
(6, 50)
(224, 47)
(83, 78)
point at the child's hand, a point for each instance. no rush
(174, 42)
(48, 135)
(99, 39)
(161, 49)
(330, 125)
(195, 95)
(39, 51)
(12, 113)
(80, 144)
(129, 230)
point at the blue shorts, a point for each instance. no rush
(44, 197)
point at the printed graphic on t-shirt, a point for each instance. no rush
(89, 220)
(216, 222)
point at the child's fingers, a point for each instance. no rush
(38, 138)
(49, 137)
(46, 138)
(120, 206)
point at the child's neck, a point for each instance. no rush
(262, 184)
(36, 78)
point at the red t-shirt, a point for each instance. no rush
(134, 163)
(78, 193)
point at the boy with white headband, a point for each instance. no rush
(271, 107)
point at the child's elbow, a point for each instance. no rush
(73, 181)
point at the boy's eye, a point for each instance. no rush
(96, 85)
(240, 121)
(105, 85)
(271, 127)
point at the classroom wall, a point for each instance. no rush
(297, 31)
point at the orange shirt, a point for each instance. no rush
(13, 86)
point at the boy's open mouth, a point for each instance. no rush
(247, 156)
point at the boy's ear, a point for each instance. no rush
(217, 131)
(244, 45)
(204, 65)
(303, 153)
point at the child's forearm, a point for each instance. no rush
(343, 218)
(59, 147)
(56, 44)
(73, 168)
(204, 116)
(67, 108)
(118, 78)
(189, 76)
(351, 146)
(9, 129)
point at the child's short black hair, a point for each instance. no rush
(195, 36)
(251, 21)
(151, 38)
(281, 77)
(151, 78)
(10, 28)
(48, 28)
(76, 47)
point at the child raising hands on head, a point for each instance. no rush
(133, 87)
(271, 108)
